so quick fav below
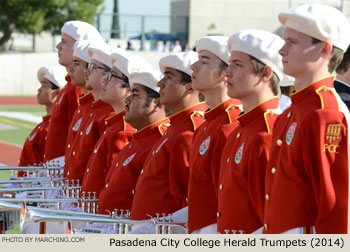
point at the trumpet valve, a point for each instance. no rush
(234, 231)
(241, 231)
(127, 215)
(121, 213)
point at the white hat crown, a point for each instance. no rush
(54, 74)
(148, 78)
(320, 21)
(181, 61)
(80, 30)
(216, 45)
(101, 52)
(262, 45)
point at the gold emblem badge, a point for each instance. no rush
(333, 132)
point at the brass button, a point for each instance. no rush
(44, 155)
(279, 142)
(106, 123)
(73, 153)
(130, 145)
(78, 111)
(87, 170)
(106, 185)
(105, 132)
(232, 107)
(186, 200)
(45, 137)
(68, 146)
(239, 123)
(266, 227)
(289, 114)
(164, 128)
(238, 134)
(221, 186)
(228, 160)
(271, 113)
(196, 115)
(133, 192)
(267, 196)
(141, 171)
(68, 173)
(90, 114)
(95, 151)
(218, 214)
(323, 90)
(273, 170)
(205, 128)
(116, 165)
(81, 133)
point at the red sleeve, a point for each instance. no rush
(325, 158)
(179, 168)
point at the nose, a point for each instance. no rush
(193, 67)
(58, 46)
(283, 51)
(127, 100)
(160, 83)
(228, 72)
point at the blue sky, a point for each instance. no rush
(131, 25)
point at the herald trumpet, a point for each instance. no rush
(121, 226)
(31, 189)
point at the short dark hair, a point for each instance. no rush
(185, 78)
(126, 83)
(345, 63)
(151, 94)
(223, 65)
(337, 56)
(53, 86)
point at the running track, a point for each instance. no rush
(9, 153)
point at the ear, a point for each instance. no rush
(327, 48)
(267, 73)
(55, 92)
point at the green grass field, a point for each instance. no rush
(17, 135)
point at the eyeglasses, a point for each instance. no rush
(110, 75)
(92, 66)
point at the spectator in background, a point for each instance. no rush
(129, 46)
(342, 82)
(176, 47)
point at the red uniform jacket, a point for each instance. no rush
(126, 167)
(66, 103)
(81, 115)
(34, 146)
(242, 170)
(162, 188)
(83, 146)
(115, 137)
(205, 156)
(307, 174)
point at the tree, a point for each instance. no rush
(115, 21)
(34, 16)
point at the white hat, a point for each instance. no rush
(181, 61)
(101, 52)
(319, 21)
(129, 63)
(262, 45)
(54, 74)
(81, 49)
(287, 81)
(79, 30)
(216, 45)
(148, 78)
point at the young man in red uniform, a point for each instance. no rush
(67, 99)
(307, 183)
(144, 112)
(252, 76)
(162, 187)
(93, 127)
(208, 78)
(116, 88)
(51, 80)
(81, 60)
